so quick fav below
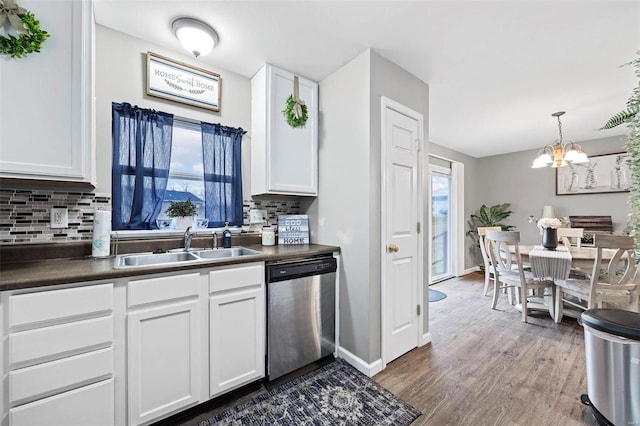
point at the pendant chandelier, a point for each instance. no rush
(560, 154)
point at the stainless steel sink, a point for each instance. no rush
(137, 260)
(148, 259)
(226, 252)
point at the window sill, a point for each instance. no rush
(170, 233)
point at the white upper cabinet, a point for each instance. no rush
(284, 160)
(46, 111)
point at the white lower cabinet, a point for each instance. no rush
(58, 356)
(164, 347)
(137, 350)
(236, 346)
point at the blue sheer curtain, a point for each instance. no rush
(222, 154)
(141, 158)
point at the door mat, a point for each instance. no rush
(435, 295)
(336, 394)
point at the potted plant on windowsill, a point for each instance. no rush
(183, 211)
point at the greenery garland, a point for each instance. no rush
(632, 117)
(28, 42)
(290, 114)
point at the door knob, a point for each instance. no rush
(392, 248)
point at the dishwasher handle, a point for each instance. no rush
(283, 271)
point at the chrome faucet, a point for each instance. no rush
(215, 240)
(187, 238)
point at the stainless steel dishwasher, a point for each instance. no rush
(301, 298)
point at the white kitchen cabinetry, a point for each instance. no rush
(236, 326)
(58, 356)
(164, 346)
(284, 160)
(46, 107)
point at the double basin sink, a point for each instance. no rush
(137, 260)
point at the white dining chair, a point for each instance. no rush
(510, 273)
(488, 266)
(571, 236)
(613, 283)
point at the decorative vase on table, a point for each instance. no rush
(549, 238)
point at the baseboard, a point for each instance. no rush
(470, 270)
(359, 364)
(426, 338)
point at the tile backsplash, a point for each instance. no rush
(25, 214)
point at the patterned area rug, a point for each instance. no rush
(336, 394)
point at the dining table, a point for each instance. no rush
(581, 257)
(557, 264)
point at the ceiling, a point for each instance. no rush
(496, 70)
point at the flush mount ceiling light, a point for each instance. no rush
(194, 35)
(560, 154)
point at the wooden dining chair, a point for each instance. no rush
(510, 273)
(611, 283)
(488, 266)
(571, 236)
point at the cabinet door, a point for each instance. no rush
(46, 104)
(164, 370)
(284, 160)
(292, 152)
(236, 345)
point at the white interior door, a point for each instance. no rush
(402, 244)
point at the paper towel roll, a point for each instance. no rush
(101, 233)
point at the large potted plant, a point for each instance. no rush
(488, 216)
(183, 211)
(632, 117)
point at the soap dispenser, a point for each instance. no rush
(226, 236)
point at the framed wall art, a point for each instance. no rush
(602, 174)
(180, 82)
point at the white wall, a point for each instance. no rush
(340, 214)
(121, 77)
(347, 210)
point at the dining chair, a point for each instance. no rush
(488, 266)
(611, 283)
(571, 236)
(510, 273)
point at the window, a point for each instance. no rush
(158, 159)
(440, 248)
(186, 170)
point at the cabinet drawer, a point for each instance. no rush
(90, 405)
(64, 374)
(160, 289)
(236, 277)
(51, 305)
(48, 343)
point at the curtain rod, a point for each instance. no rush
(193, 122)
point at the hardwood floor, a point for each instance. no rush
(486, 367)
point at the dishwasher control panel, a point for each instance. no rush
(297, 269)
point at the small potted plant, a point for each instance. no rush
(183, 211)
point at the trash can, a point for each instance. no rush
(612, 347)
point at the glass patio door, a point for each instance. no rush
(440, 235)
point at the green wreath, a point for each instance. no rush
(293, 119)
(28, 41)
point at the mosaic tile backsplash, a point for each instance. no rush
(25, 214)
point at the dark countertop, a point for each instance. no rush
(37, 273)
